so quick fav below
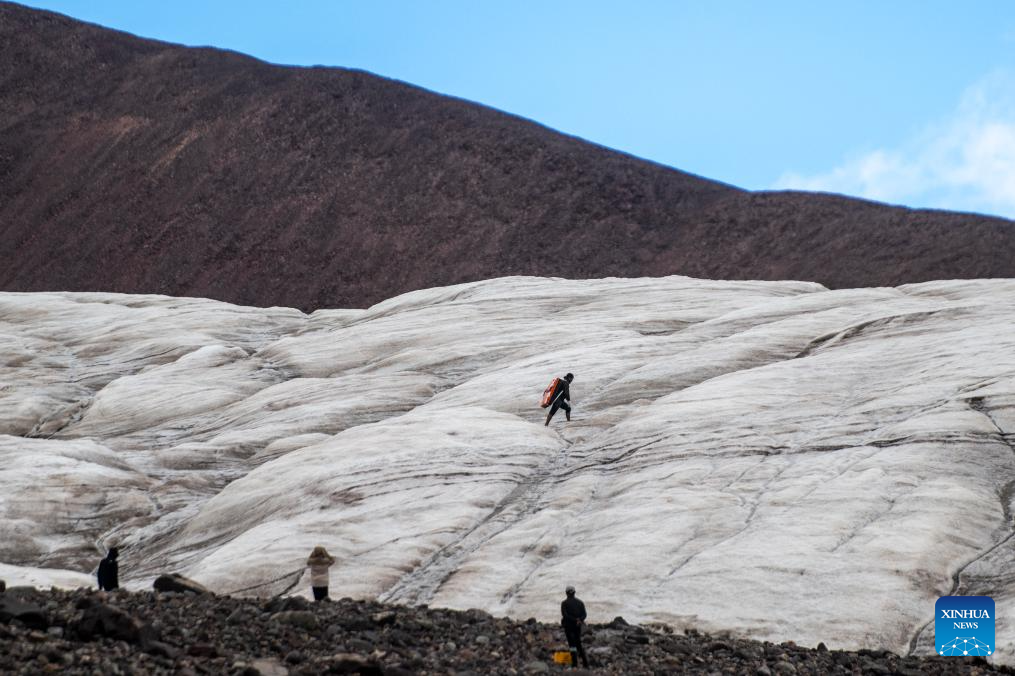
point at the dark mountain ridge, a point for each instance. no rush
(130, 165)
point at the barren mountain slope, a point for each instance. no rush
(137, 166)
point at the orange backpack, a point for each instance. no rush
(549, 392)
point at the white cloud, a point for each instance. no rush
(965, 162)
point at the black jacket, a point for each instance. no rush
(563, 390)
(109, 573)
(572, 612)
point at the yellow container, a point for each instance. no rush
(562, 657)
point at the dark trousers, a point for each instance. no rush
(574, 642)
(320, 593)
(558, 403)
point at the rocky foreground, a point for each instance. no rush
(122, 633)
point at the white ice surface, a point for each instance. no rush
(43, 578)
(771, 459)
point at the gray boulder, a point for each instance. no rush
(349, 663)
(266, 667)
(106, 621)
(13, 607)
(297, 618)
(281, 603)
(174, 582)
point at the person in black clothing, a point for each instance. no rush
(561, 398)
(109, 571)
(572, 612)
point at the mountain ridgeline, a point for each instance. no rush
(131, 165)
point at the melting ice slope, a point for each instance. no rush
(774, 459)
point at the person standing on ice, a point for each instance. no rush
(560, 397)
(572, 612)
(109, 571)
(320, 561)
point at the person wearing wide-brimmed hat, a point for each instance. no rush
(320, 561)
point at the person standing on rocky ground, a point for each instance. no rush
(109, 571)
(573, 615)
(320, 561)
(561, 398)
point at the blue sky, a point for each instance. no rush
(905, 101)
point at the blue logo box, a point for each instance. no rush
(964, 626)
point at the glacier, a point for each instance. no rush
(774, 460)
